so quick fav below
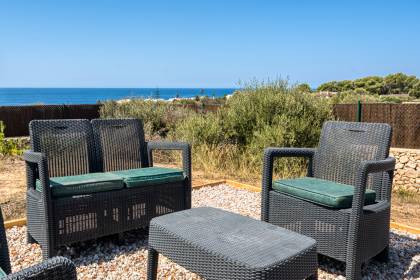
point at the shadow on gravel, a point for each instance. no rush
(106, 248)
(404, 257)
(404, 261)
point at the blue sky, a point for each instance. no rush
(203, 43)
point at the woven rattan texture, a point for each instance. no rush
(348, 153)
(69, 147)
(51, 269)
(221, 245)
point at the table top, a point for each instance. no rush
(241, 239)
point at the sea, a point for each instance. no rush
(33, 96)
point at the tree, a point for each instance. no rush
(415, 90)
(304, 88)
(397, 83)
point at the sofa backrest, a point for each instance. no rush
(344, 145)
(119, 143)
(68, 145)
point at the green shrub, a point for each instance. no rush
(397, 83)
(349, 97)
(10, 147)
(258, 116)
(159, 117)
(231, 141)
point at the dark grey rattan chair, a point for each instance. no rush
(354, 154)
(55, 268)
(75, 147)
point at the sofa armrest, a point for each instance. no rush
(37, 167)
(54, 268)
(267, 177)
(184, 147)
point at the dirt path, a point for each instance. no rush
(12, 188)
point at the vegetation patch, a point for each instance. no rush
(11, 146)
(394, 88)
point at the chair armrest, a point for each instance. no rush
(367, 167)
(54, 268)
(269, 155)
(37, 167)
(33, 157)
(378, 207)
(184, 147)
(357, 211)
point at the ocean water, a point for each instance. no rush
(31, 96)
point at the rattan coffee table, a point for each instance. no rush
(217, 244)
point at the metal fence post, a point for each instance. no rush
(359, 111)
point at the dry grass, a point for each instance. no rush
(405, 205)
(406, 208)
(12, 187)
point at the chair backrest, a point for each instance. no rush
(4, 249)
(120, 143)
(68, 145)
(344, 145)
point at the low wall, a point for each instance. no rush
(407, 169)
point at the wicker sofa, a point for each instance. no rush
(91, 179)
(55, 268)
(344, 202)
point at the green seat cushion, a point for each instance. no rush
(83, 184)
(322, 192)
(2, 273)
(147, 176)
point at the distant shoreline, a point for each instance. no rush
(51, 96)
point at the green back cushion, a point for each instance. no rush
(2, 273)
(149, 176)
(322, 192)
(83, 184)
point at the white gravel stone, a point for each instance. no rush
(108, 258)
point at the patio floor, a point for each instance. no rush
(109, 258)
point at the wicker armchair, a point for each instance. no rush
(351, 154)
(101, 203)
(54, 268)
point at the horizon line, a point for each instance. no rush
(113, 87)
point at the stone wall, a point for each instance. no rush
(407, 169)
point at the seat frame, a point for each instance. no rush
(352, 235)
(56, 221)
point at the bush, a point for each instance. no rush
(159, 117)
(10, 147)
(349, 97)
(398, 83)
(255, 117)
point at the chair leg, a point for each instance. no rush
(29, 238)
(354, 270)
(152, 264)
(313, 276)
(383, 256)
(48, 251)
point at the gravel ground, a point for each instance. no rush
(110, 258)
